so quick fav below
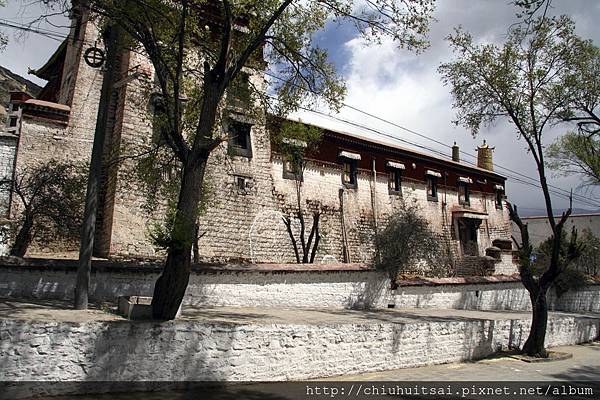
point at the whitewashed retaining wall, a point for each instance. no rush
(310, 289)
(496, 296)
(189, 350)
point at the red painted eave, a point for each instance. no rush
(47, 104)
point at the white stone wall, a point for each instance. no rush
(327, 289)
(190, 350)
(506, 266)
(8, 146)
(311, 289)
(496, 296)
(322, 183)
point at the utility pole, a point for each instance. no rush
(111, 40)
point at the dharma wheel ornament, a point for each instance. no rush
(94, 57)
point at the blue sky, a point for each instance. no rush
(394, 84)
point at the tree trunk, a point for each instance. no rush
(534, 346)
(195, 245)
(172, 283)
(316, 218)
(23, 239)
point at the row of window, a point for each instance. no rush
(349, 179)
(239, 144)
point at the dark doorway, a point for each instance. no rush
(467, 233)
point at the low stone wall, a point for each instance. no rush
(499, 293)
(484, 296)
(322, 286)
(286, 285)
(190, 350)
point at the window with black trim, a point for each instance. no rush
(158, 110)
(499, 199)
(240, 182)
(395, 181)
(349, 173)
(432, 188)
(292, 170)
(239, 139)
(464, 197)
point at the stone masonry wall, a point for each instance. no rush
(316, 289)
(132, 218)
(191, 350)
(333, 288)
(322, 184)
(40, 142)
(498, 296)
(239, 223)
(43, 140)
(8, 147)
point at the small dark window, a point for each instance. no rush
(240, 182)
(292, 170)
(499, 199)
(395, 181)
(463, 193)
(432, 190)
(13, 122)
(349, 174)
(239, 139)
(157, 106)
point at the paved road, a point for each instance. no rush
(56, 310)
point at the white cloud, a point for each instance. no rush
(406, 89)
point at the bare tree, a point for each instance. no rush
(294, 141)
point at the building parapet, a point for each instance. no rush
(29, 107)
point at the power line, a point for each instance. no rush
(54, 35)
(47, 33)
(556, 190)
(582, 199)
(429, 138)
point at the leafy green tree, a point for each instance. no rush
(51, 198)
(212, 43)
(578, 152)
(572, 277)
(587, 263)
(523, 81)
(406, 242)
(294, 141)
